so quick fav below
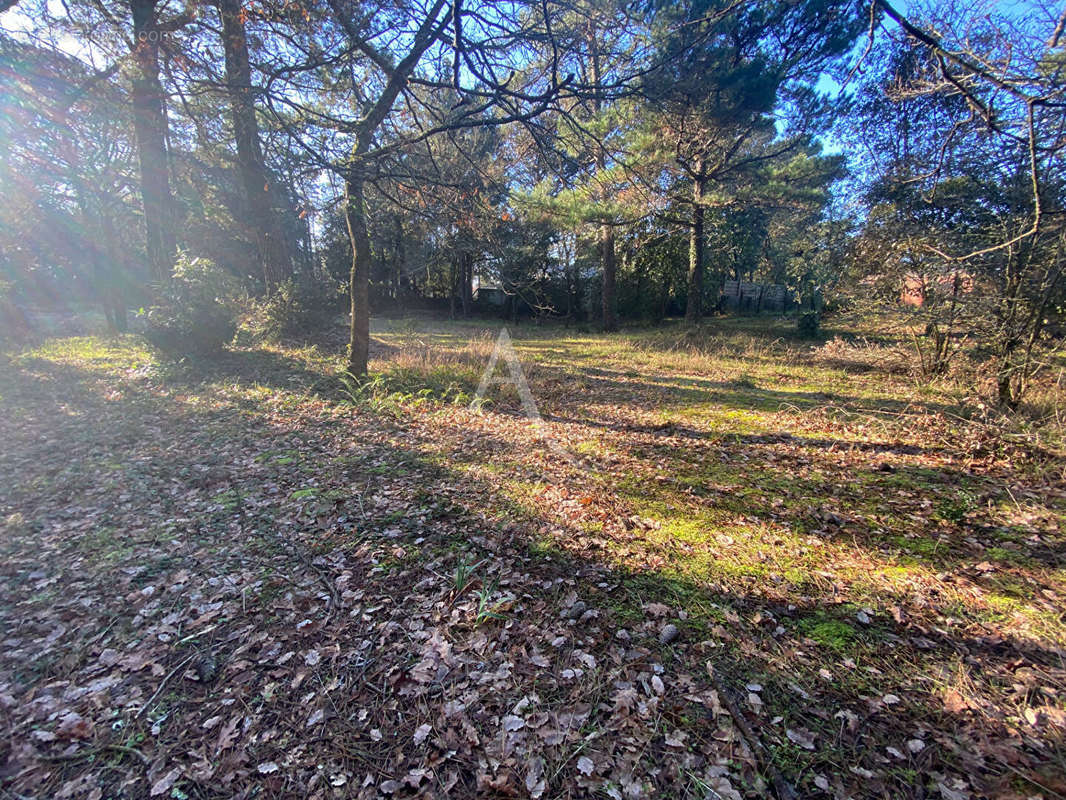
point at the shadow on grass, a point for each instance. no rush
(570, 370)
(889, 681)
(738, 632)
(744, 394)
(259, 366)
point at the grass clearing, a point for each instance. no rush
(888, 575)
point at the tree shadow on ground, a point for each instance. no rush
(260, 366)
(897, 503)
(935, 518)
(893, 679)
(673, 391)
(673, 429)
(949, 681)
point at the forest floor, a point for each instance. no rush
(765, 566)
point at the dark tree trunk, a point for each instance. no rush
(694, 307)
(664, 299)
(607, 293)
(150, 129)
(114, 274)
(103, 279)
(453, 278)
(610, 314)
(264, 220)
(359, 280)
(466, 270)
(399, 258)
(638, 275)
(573, 286)
(576, 309)
(309, 247)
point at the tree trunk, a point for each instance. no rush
(573, 297)
(610, 315)
(466, 272)
(359, 279)
(263, 218)
(102, 280)
(150, 128)
(694, 306)
(398, 259)
(1009, 307)
(114, 274)
(576, 312)
(453, 279)
(607, 293)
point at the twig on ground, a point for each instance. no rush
(95, 751)
(294, 552)
(1037, 784)
(163, 683)
(781, 787)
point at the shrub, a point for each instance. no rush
(807, 323)
(197, 310)
(14, 327)
(296, 308)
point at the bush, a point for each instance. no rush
(14, 327)
(296, 308)
(807, 323)
(197, 310)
